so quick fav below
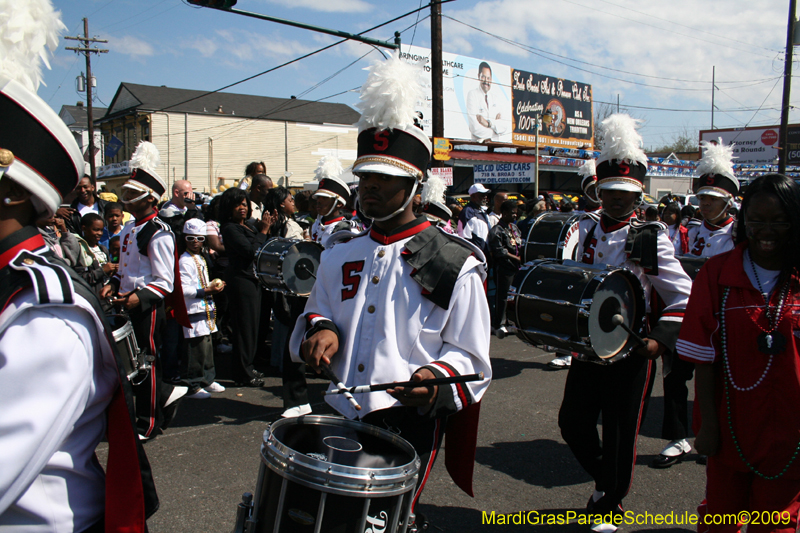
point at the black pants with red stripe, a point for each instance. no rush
(619, 392)
(148, 327)
(424, 434)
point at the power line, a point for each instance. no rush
(289, 62)
(544, 55)
(689, 27)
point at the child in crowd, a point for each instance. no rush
(113, 222)
(113, 250)
(93, 260)
(197, 363)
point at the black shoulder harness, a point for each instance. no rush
(642, 245)
(146, 234)
(437, 261)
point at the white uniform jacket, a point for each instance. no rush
(198, 305)
(606, 245)
(321, 233)
(151, 276)
(388, 329)
(706, 240)
(57, 378)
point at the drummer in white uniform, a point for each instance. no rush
(404, 300)
(62, 390)
(715, 188)
(619, 391)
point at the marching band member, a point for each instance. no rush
(331, 196)
(63, 387)
(146, 276)
(403, 298)
(618, 391)
(433, 199)
(741, 332)
(715, 188)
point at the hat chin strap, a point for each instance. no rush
(403, 207)
(728, 204)
(333, 206)
(142, 196)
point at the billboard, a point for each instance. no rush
(757, 146)
(569, 103)
(485, 100)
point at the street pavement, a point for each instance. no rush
(210, 456)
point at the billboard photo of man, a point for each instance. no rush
(487, 109)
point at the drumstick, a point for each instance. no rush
(328, 372)
(424, 383)
(618, 320)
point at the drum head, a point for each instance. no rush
(615, 295)
(300, 267)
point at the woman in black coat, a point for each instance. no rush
(242, 241)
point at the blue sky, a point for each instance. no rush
(656, 56)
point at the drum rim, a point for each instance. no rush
(639, 318)
(125, 330)
(334, 478)
(570, 219)
(281, 285)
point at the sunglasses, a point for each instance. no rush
(192, 238)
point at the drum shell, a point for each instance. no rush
(552, 235)
(274, 262)
(550, 303)
(125, 339)
(306, 493)
(692, 264)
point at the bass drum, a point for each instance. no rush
(323, 474)
(288, 265)
(552, 235)
(570, 306)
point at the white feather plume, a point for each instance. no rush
(717, 159)
(147, 157)
(621, 141)
(390, 95)
(589, 168)
(433, 190)
(328, 167)
(29, 32)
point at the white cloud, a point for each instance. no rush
(328, 6)
(131, 46)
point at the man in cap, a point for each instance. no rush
(146, 276)
(473, 222)
(63, 387)
(401, 301)
(715, 188)
(618, 391)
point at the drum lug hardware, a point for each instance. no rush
(569, 287)
(539, 282)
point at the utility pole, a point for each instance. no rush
(713, 87)
(437, 93)
(783, 152)
(86, 42)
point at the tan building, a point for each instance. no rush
(210, 138)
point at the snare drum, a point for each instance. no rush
(322, 473)
(569, 305)
(692, 264)
(552, 236)
(288, 265)
(132, 358)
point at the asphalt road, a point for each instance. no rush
(210, 456)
